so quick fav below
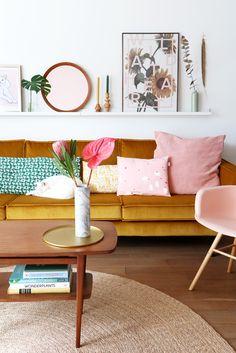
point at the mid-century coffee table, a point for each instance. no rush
(21, 242)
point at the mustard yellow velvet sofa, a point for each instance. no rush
(132, 215)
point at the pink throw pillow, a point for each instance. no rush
(142, 176)
(194, 163)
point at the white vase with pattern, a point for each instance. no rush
(82, 211)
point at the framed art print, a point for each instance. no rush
(10, 88)
(150, 72)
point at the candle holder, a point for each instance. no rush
(98, 108)
(107, 104)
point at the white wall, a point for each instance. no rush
(37, 34)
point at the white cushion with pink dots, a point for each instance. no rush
(143, 176)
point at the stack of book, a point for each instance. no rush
(30, 279)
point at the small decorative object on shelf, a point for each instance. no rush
(10, 88)
(107, 104)
(190, 73)
(97, 106)
(203, 57)
(194, 101)
(37, 83)
(65, 159)
(70, 87)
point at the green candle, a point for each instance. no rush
(107, 88)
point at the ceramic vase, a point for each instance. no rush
(82, 211)
(194, 101)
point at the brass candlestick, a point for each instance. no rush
(107, 104)
(98, 107)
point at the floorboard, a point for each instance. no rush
(169, 264)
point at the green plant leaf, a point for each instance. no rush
(142, 97)
(149, 71)
(67, 162)
(59, 164)
(72, 148)
(145, 56)
(25, 84)
(151, 100)
(46, 88)
(75, 166)
(60, 168)
(152, 59)
(138, 79)
(37, 83)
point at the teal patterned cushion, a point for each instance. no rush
(20, 175)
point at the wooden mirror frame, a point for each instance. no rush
(81, 105)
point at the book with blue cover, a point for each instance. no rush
(17, 277)
(46, 271)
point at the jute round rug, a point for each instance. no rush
(122, 316)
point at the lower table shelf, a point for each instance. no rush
(4, 297)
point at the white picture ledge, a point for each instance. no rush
(101, 114)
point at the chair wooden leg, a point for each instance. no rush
(232, 253)
(205, 261)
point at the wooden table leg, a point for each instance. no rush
(81, 265)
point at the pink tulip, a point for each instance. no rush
(96, 151)
(57, 147)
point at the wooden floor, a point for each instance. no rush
(169, 264)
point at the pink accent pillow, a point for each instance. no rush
(193, 162)
(142, 176)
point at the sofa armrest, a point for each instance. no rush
(227, 173)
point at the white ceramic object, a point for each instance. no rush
(82, 211)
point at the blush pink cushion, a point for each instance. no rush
(194, 163)
(142, 176)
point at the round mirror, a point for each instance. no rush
(70, 87)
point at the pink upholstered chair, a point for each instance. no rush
(215, 208)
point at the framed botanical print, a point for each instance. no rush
(150, 72)
(10, 88)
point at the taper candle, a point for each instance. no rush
(98, 90)
(107, 86)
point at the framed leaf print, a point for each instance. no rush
(150, 72)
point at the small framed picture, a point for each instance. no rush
(150, 72)
(10, 88)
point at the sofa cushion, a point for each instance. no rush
(4, 200)
(44, 148)
(104, 178)
(139, 176)
(12, 148)
(20, 175)
(154, 208)
(103, 207)
(194, 163)
(137, 148)
(161, 228)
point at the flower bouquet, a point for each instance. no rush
(95, 152)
